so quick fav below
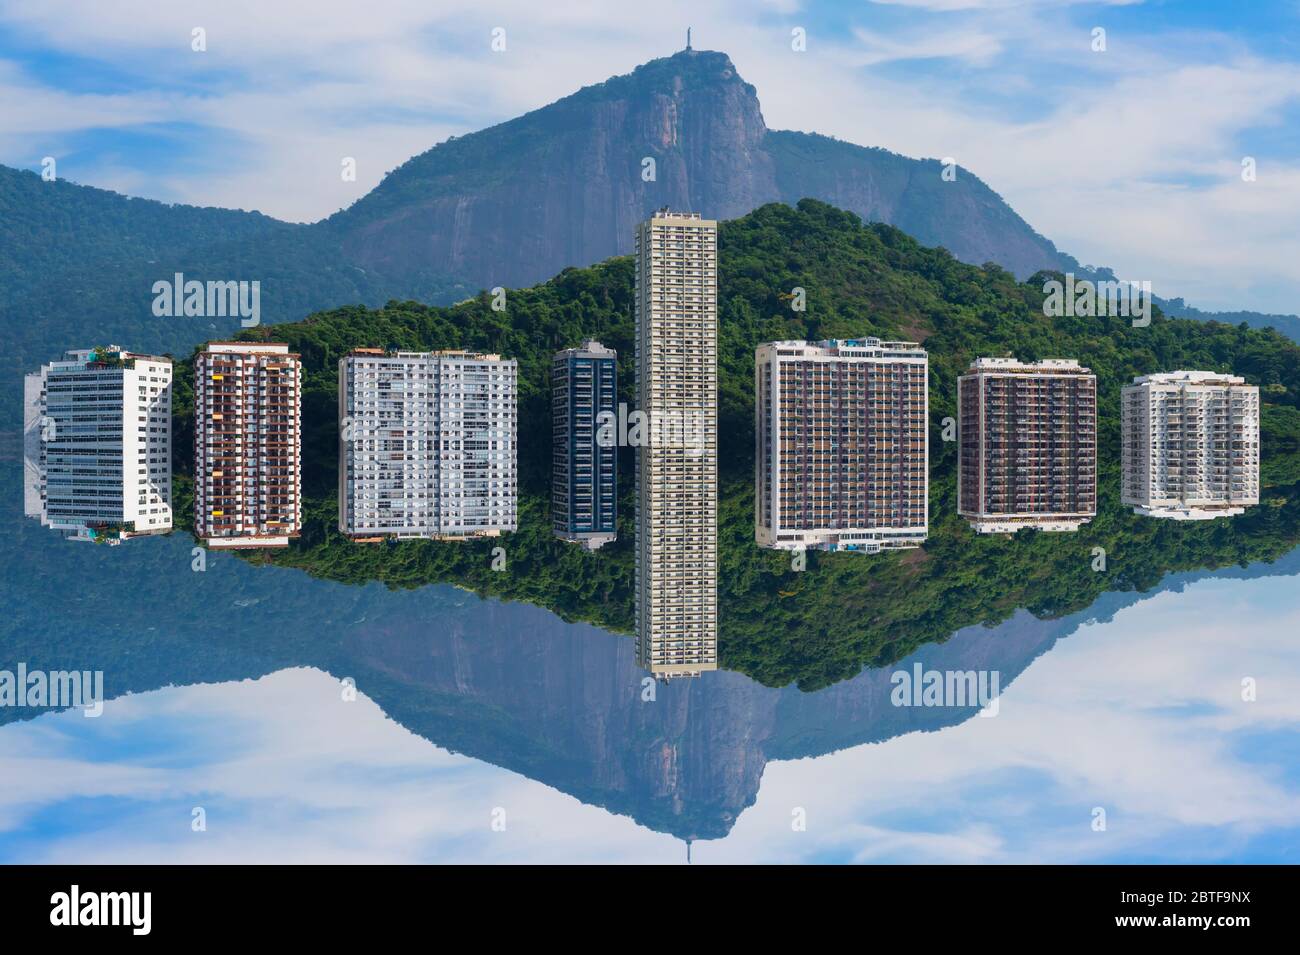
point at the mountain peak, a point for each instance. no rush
(567, 183)
(712, 63)
(680, 74)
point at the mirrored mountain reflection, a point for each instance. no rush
(509, 684)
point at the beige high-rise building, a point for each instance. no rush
(841, 458)
(677, 463)
(247, 444)
(1190, 445)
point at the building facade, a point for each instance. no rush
(842, 445)
(1190, 445)
(676, 312)
(1027, 439)
(584, 479)
(247, 444)
(97, 444)
(427, 445)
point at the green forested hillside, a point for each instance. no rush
(845, 611)
(77, 267)
(57, 228)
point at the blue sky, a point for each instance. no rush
(1128, 157)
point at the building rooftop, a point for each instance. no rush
(425, 355)
(589, 347)
(1189, 378)
(847, 347)
(694, 217)
(83, 355)
(259, 348)
(1046, 365)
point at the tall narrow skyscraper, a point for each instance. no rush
(427, 444)
(1027, 445)
(676, 314)
(247, 444)
(97, 444)
(584, 479)
(842, 456)
(1190, 445)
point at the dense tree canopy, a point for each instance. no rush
(845, 611)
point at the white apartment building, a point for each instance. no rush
(97, 444)
(842, 445)
(247, 444)
(1190, 445)
(677, 470)
(427, 445)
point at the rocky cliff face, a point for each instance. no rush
(964, 215)
(565, 185)
(566, 706)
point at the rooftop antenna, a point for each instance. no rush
(688, 39)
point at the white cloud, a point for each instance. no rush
(949, 6)
(971, 46)
(1138, 169)
(1142, 716)
(1110, 159)
(1138, 716)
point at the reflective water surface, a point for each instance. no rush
(483, 731)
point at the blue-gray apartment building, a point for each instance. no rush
(584, 485)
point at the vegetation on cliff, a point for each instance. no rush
(844, 611)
